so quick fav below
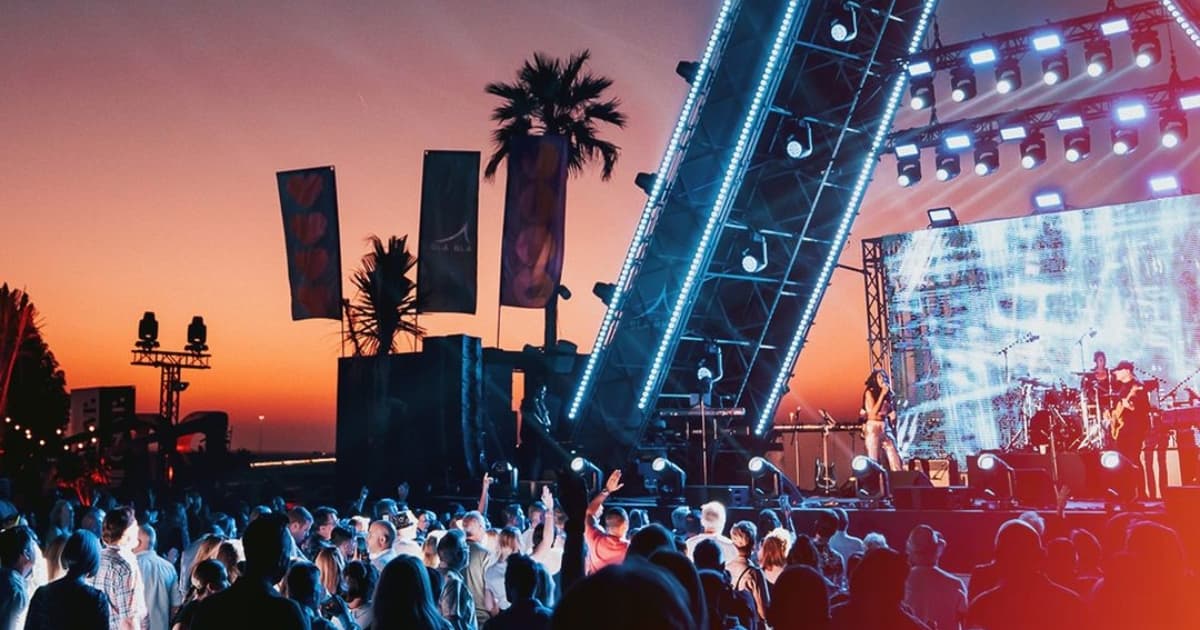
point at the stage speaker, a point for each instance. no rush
(729, 496)
(1034, 487)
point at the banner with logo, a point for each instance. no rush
(447, 263)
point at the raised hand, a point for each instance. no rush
(547, 498)
(785, 503)
(487, 480)
(614, 482)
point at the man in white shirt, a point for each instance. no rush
(158, 579)
(931, 594)
(841, 541)
(406, 536)
(712, 523)
(380, 538)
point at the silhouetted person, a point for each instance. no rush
(799, 600)
(684, 572)
(252, 602)
(404, 598)
(1148, 585)
(931, 594)
(524, 612)
(69, 602)
(876, 594)
(17, 557)
(1024, 598)
(209, 577)
(650, 539)
(635, 594)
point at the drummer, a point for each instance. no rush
(1097, 382)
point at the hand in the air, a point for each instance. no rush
(547, 498)
(614, 482)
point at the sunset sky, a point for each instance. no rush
(140, 141)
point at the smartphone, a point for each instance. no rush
(363, 554)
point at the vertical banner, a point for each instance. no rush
(308, 198)
(447, 266)
(535, 201)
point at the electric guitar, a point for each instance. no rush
(825, 473)
(1122, 406)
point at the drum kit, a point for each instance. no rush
(1060, 417)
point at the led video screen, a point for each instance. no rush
(993, 321)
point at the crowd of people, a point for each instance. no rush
(569, 561)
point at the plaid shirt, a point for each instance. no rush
(120, 579)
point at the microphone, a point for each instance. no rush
(1092, 332)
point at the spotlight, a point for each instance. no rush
(1055, 69)
(948, 167)
(921, 93)
(760, 468)
(1115, 26)
(1163, 185)
(754, 262)
(1189, 102)
(1048, 201)
(873, 481)
(987, 158)
(1173, 128)
(1077, 145)
(645, 181)
(920, 68)
(1124, 141)
(962, 83)
(147, 332)
(908, 172)
(843, 27)
(1033, 151)
(1008, 76)
(1014, 132)
(1147, 51)
(1098, 56)
(799, 139)
(1069, 123)
(670, 479)
(996, 476)
(941, 217)
(1131, 112)
(589, 471)
(957, 141)
(1047, 41)
(604, 291)
(197, 335)
(506, 476)
(981, 56)
(1119, 477)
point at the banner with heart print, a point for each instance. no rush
(308, 198)
(531, 255)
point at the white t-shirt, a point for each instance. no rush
(728, 551)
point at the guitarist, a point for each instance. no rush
(1131, 414)
(879, 412)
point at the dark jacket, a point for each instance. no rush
(251, 604)
(68, 603)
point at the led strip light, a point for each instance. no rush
(839, 241)
(648, 212)
(722, 201)
(1188, 28)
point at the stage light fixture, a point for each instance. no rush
(147, 332)
(1048, 201)
(1124, 141)
(1069, 123)
(981, 56)
(645, 181)
(1047, 41)
(505, 477)
(1131, 112)
(908, 172)
(957, 141)
(920, 68)
(921, 93)
(948, 167)
(798, 143)
(1189, 102)
(590, 472)
(1147, 50)
(197, 336)
(873, 481)
(1119, 477)
(1008, 76)
(987, 158)
(670, 478)
(941, 217)
(1173, 129)
(962, 83)
(1077, 145)
(1055, 69)
(687, 70)
(843, 26)
(1162, 185)
(1114, 26)
(755, 261)
(992, 467)
(1013, 132)
(604, 291)
(1098, 56)
(907, 150)
(1033, 151)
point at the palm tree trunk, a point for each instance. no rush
(550, 339)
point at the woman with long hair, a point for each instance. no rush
(70, 602)
(404, 599)
(879, 411)
(208, 577)
(207, 548)
(330, 565)
(494, 596)
(774, 552)
(228, 555)
(744, 572)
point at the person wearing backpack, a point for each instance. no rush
(744, 573)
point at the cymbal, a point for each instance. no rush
(1025, 380)
(1087, 373)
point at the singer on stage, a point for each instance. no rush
(879, 412)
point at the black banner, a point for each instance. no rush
(447, 266)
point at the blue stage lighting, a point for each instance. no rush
(1173, 129)
(1131, 112)
(987, 158)
(962, 84)
(745, 140)
(839, 239)
(982, 56)
(1047, 41)
(1189, 101)
(921, 93)
(957, 141)
(1008, 76)
(908, 172)
(1048, 200)
(1014, 132)
(1164, 184)
(1114, 26)
(920, 68)
(1069, 123)
(1055, 69)
(907, 150)
(641, 232)
(1033, 151)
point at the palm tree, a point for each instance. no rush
(553, 97)
(386, 302)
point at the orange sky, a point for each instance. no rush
(141, 141)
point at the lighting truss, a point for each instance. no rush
(1169, 96)
(676, 148)
(1014, 44)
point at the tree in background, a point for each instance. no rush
(386, 299)
(556, 97)
(33, 389)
